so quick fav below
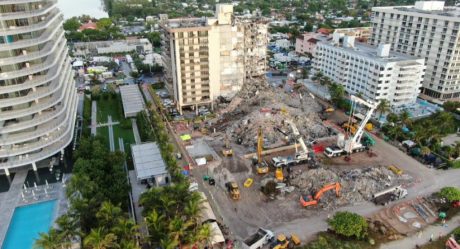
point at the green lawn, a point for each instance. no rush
(113, 107)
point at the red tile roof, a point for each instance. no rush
(89, 25)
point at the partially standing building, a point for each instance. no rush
(209, 57)
(375, 73)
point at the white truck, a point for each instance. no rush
(258, 240)
(391, 194)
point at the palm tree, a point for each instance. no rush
(50, 240)
(108, 214)
(204, 234)
(67, 227)
(168, 243)
(457, 149)
(156, 225)
(129, 245)
(405, 118)
(126, 229)
(98, 239)
(383, 107)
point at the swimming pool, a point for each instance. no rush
(27, 222)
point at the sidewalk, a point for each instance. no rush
(436, 230)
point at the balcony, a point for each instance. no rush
(37, 80)
(47, 50)
(27, 14)
(40, 131)
(46, 36)
(39, 118)
(13, 30)
(40, 93)
(46, 149)
(42, 104)
(50, 62)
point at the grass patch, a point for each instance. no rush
(327, 240)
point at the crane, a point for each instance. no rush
(261, 166)
(309, 200)
(300, 156)
(353, 143)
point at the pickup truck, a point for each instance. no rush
(258, 240)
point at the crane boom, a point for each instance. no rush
(298, 137)
(260, 141)
(351, 143)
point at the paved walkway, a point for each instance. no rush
(424, 236)
(111, 139)
(9, 201)
(137, 136)
(93, 117)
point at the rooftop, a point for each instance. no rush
(147, 160)
(133, 102)
(428, 7)
(365, 50)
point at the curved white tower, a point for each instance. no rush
(37, 91)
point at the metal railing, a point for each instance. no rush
(12, 30)
(30, 13)
(36, 81)
(47, 64)
(44, 37)
(40, 93)
(39, 118)
(47, 50)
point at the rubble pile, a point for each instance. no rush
(267, 108)
(357, 184)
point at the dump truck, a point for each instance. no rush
(388, 195)
(233, 190)
(258, 240)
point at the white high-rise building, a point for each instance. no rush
(209, 57)
(427, 30)
(37, 91)
(373, 72)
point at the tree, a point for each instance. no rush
(68, 227)
(108, 214)
(450, 193)
(98, 239)
(337, 91)
(450, 106)
(383, 107)
(392, 117)
(104, 23)
(154, 38)
(424, 150)
(349, 224)
(50, 240)
(404, 116)
(71, 24)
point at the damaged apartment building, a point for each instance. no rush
(206, 58)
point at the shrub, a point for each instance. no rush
(450, 193)
(349, 225)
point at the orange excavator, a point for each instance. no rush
(306, 201)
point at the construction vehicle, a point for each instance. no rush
(395, 170)
(227, 150)
(283, 242)
(306, 201)
(391, 194)
(248, 182)
(353, 127)
(262, 167)
(301, 156)
(353, 143)
(279, 175)
(233, 190)
(258, 240)
(329, 109)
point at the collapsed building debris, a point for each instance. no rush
(357, 184)
(259, 105)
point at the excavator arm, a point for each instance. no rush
(260, 142)
(326, 188)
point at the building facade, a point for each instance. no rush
(37, 91)
(306, 43)
(361, 34)
(427, 30)
(375, 73)
(209, 57)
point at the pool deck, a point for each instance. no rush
(13, 198)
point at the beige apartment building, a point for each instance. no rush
(427, 30)
(209, 57)
(38, 99)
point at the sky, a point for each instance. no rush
(72, 8)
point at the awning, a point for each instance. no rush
(216, 234)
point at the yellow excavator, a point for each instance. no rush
(227, 150)
(262, 167)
